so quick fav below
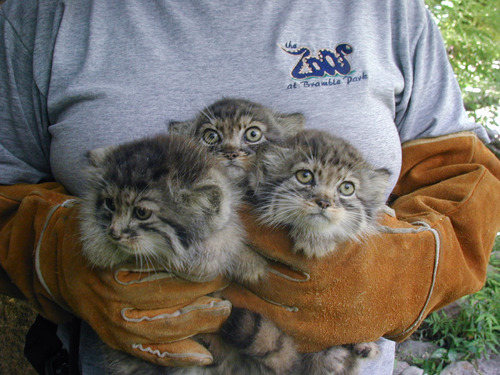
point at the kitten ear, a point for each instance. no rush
(379, 181)
(292, 123)
(97, 156)
(270, 160)
(207, 198)
(180, 127)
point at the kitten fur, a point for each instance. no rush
(320, 188)
(231, 119)
(164, 201)
(235, 129)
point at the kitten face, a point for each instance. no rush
(150, 200)
(319, 186)
(235, 128)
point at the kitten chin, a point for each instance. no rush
(320, 188)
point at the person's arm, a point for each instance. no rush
(435, 251)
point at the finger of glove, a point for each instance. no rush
(204, 315)
(177, 354)
(157, 290)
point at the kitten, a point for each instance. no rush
(320, 188)
(166, 201)
(227, 128)
(235, 129)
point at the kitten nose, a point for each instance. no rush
(114, 233)
(231, 155)
(322, 203)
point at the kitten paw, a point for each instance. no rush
(366, 349)
(336, 360)
(250, 268)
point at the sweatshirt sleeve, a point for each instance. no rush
(431, 103)
(27, 31)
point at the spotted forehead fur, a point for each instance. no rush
(234, 115)
(148, 161)
(322, 149)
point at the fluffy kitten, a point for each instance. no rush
(320, 188)
(239, 130)
(235, 129)
(167, 202)
(164, 201)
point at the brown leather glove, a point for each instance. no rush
(151, 316)
(436, 251)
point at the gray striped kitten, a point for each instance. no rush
(247, 135)
(164, 201)
(167, 202)
(320, 188)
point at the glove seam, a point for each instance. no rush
(164, 354)
(447, 214)
(177, 313)
(424, 226)
(38, 266)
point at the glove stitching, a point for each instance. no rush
(158, 275)
(286, 307)
(424, 227)
(280, 274)
(168, 354)
(177, 313)
(38, 267)
(290, 278)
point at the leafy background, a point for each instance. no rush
(471, 31)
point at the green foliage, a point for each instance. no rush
(473, 333)
(471, 30)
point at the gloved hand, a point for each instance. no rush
(434, 252)
(150, 315)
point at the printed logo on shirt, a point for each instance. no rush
(324, 68)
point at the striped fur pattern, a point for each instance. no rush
(235, 129)
(252, 345)
(167, 202)
(164, 202)
(320, 188)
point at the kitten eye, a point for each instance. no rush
(210, 137)
(346, 188)
(253, 134)
(109, 204)
(142, 213)
(304, 176)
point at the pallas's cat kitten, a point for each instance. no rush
(320, 188)
(164, 201)
(235, 128)
(167, 202)
(323, 191)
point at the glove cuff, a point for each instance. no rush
(56, 234)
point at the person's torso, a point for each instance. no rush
(122, 70)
